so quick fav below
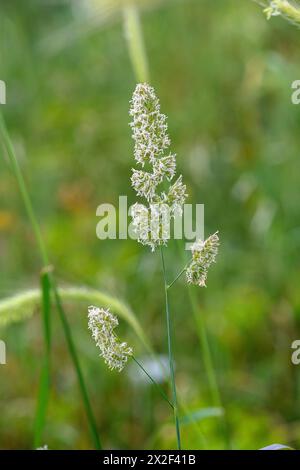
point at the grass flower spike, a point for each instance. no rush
(150, 134)
(204, 254)
(149, 126)
(102, 324)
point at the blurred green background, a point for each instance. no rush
(223, 74)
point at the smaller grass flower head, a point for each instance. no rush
(102, 324)
(204, 253)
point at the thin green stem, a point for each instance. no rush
(207, 359)
(162, 393)
(170, 353)
(23, 190)
(135, 43)
(178, 276)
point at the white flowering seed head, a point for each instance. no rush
(150, 135)
(149, 125)
(204, 253)
(102, 324)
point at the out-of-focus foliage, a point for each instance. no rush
(223, 74)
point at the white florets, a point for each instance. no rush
(144, 184)
(102, 324)
(149, 125)
(150, 134)
(176, 196)
(140, 221)
(204, 254)
(151, 224)
(164, 167)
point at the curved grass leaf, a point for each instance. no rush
(23, 305)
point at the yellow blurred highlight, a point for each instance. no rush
(6, 220)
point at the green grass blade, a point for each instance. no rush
(44, 388)
(42, 404)
(135, 43)
(22, 306)
(46, 305)
(23, 190)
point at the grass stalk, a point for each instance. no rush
(23, 190)
(178, 276)
(170, 353)
(158, 387)
(135, 43)
(206, 354)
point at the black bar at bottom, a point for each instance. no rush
(136, 458)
